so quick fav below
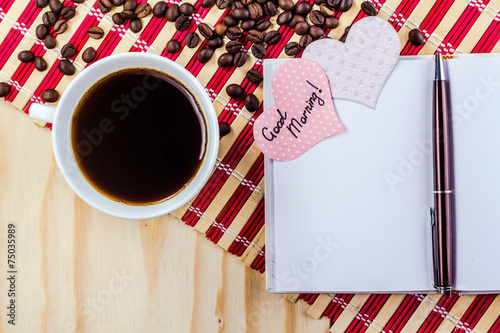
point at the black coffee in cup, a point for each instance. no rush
(138, 136)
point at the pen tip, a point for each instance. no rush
(439, 70)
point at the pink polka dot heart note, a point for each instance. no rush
(303, 113)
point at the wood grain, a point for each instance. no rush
(79, 270)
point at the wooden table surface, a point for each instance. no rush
(79, 270)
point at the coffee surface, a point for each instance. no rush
(138, 136)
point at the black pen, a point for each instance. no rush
(443, 210)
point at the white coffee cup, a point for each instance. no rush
(61, 118)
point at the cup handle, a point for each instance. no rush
(42, 112)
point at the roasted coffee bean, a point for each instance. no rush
(246, 2)
(416, 37)
(252, 103)
(331, 22)
(215, 42)
(78, 1)
(327, 11)
(224, 128)
(286, 4)
(220, 29)
(182, 23)
(40, 64)
(130, 5)
(240, 58)
(292, 49)
(303, 8)
(284, 18)
(234, 90)
(259, 51)
(41, 31)
(295, 20)
(247, 25)
(143, 10)
(345, 5)
(236, 5)
(49, 41)
(68, 50)
(160, 9)
(186, 9)
(263, 25)
(207, 3)
(333, 3)
(173, 46)
(26, 56)
(205, 30)
(241, 13)
(223, 4)
(41, 4)
(256, 11)
(254, 76)
(368, 8)
(302, 28)
(272, 37)
(255, 36)
(105, 6)
(127, 15)
(269, 9)
(233, 47)
(118, 19)
(317, 18)
(118, 2)
(4, 89)
(305, 40)
(55, 6)
(204, 55)
(68, 13)
(173, 12)
(230, 21)
(316, 32)
(89, 54)
(344, 36)
(319, 2)
(234, 33)
(192, 40)
(225, 60)
(50, 95)
(49, 19)
(60, 27)
(66, 67)
(96, 32)
(135, 25)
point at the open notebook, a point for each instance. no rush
(352, 213)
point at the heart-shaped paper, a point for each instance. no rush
(358, 68)
(303, 113)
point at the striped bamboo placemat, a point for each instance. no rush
(230, 208)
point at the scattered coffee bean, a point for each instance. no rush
(331, 22)
(89, 54)
(345, 5)
(130, 5)
(173, 46)
(240, 58)
(96, 32)
(186, 9)
(160, 9)
(230, 21)
(118, 2)
(49, 19)
(234, 33)
(236, 5)
(118, 19)
(286, 4)
(252, 103)
(135, 25)
(173, 12)
(182, 23)
(416, 37)
(205, 30)
(296, 19)
(223, 4)
(234, 90)
(302, 28)
(344, 36)
(127, 15)
(225, 60)
(142, 10)
(292, 49)
(259, 51)
(316, 32)
(272, 37)
(60, 27)
(50, 95)
(49, 41)
(26, 56)
(204, 55)
(263, 25)
(269, 9)
(241, 13)
(319, 2)
(233, 47)
(220, 29)
(4, 89)
(305, 40)
(284, 18)
(224, 128)
(192, 40)
(68, 13)
(247, 25)
(368, 8)
(68, 50)
(66, 67)
(333, 3)
(327, 11)
(254, 76)
(256, 11)
(317, 18)
(41, 31)
(105, 6)
(78, 1)
(215, 42)
(40, 64)
(41, 4)
(255, 36)
(55, 6)
(303, 8)
(207, 3)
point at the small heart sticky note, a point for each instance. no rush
(358, 68)
(303, 113)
